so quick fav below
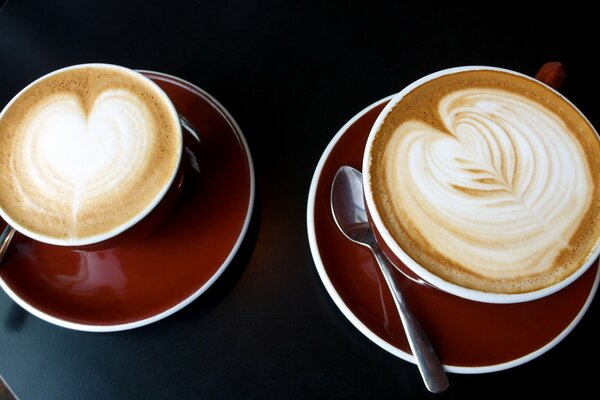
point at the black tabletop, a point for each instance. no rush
(291, 73)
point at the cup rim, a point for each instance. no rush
(100, 238)
(440, 283)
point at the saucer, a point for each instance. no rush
(148, 279)
(469, 336)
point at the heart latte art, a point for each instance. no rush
(85, 151)
(488, 186)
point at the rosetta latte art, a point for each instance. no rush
(501, 192)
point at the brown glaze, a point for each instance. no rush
(464, 333)
(149, 275)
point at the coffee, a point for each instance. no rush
(84, 152)
(488, 180)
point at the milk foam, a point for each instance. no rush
(502, 194)
(77, 157)
(84, 152)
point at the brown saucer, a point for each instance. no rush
(469, 336)
(151, 278)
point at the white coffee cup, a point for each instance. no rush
(107, 142)
(448, 141)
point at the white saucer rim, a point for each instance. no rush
(339, 302)
(163, 314)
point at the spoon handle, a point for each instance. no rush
(428, 362)
(5, 238)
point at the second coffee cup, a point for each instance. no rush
(485, 183)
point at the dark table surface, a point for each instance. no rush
(291, 73)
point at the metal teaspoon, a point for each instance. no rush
(348, 207)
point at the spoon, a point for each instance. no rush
(348, 207)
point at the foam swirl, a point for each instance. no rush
(501, 192)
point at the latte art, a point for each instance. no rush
(487, 185)
(501, 193)
(73, 157)
(84, 152)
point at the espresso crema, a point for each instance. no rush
(84, 151)
(489, 180)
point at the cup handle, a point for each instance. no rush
(190, 145)
(186, 125)
(552, 74)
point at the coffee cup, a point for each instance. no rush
(485, 183)
(90, 157)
